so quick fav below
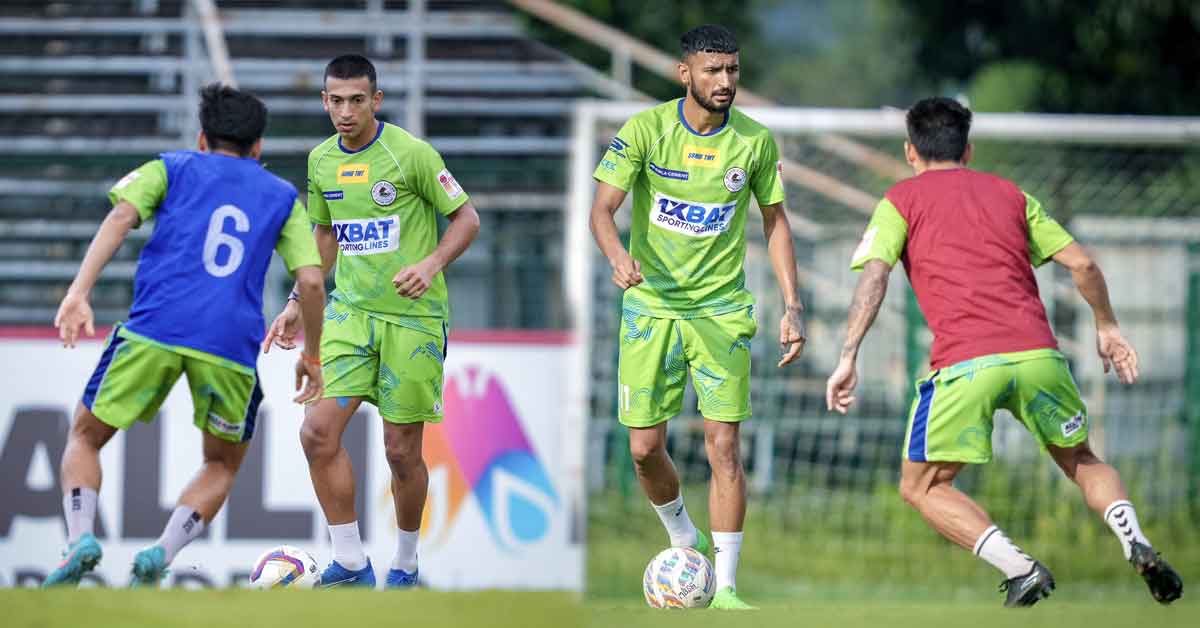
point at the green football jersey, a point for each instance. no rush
(691, 193)
(382, 201)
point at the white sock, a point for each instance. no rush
(79, 508)
(347, 546)
(1124, 523)
(996, 548)
(184, 526)
(679, 525)
(406, 551)
(727, 546)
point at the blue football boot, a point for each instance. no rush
(400, 579)
(149, 567)
(78, 560)
(336, 575)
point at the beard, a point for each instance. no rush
(711, 105)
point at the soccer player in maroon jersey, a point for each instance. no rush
(969, 242)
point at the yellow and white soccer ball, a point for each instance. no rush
(285, 566)
(679, 577)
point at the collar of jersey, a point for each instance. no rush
(378, 132)
(685, 124)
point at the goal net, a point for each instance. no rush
(824, 506)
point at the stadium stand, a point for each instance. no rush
(90, 90)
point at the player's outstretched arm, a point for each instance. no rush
(1114, 349)
(75, 313)
(627, 272)
(413, 281)
(778, 232)
(868, 297)
(310, 284)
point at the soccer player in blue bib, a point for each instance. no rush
(197, 310)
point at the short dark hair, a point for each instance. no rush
(351, 67)
(938, 128)
(708, 38)
(231, 119)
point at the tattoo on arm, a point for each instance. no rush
(868, 297)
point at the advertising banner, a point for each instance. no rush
(505, 484)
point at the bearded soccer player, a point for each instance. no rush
(969, 242)
(693, 165)
(375, 193)
(197, 310)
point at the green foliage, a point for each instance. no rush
(658, 24)
(1103, 56)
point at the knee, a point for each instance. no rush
(644, 449)
(404, 457)
(88, 431)
(723, 452)
(912, 492)
(319, 442)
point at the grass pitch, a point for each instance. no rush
(101, 608)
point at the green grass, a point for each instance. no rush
(94, 608)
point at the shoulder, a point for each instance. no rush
(748, 127)
(278, 184)
(655, 119)
(322, 149)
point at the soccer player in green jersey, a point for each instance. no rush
(969, 242)
(375, 193)
(693, 165)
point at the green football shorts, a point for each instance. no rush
(657, 353)
(398, 368)
(135, 374)
(951, 417)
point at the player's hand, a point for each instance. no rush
(308, 377)
(283, 330)
(1115, 351)
(791, 336)
(627, 272)
(839, 390)
(74, 314)
(413, 281)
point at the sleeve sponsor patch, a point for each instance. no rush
(127, 179)
(449, 184)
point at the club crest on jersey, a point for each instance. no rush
(383, 193)
(367, 236)
(735, 179)
(353, 173)
(691, 218)
(701, 156)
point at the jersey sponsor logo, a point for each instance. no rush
(353, 173)
(618, 146)
(667, 173)
(383, 193)
(735, 179)
(127, 179)
(609, 165)
(701, 156)
(691, 218)
(367, 236)
(864, 246)
(333, 195)
(449, 184)
(1074, 425)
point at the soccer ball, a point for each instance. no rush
(679, 577)
(285, 566)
